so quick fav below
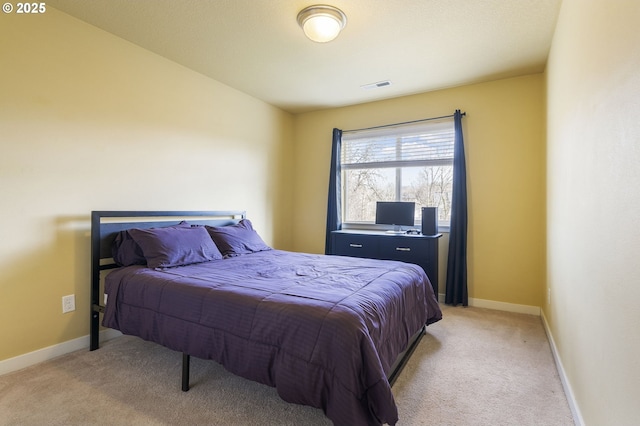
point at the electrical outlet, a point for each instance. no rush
(68, 303)
(548, 296)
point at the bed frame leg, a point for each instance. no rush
(405, 358)
(94, 327)
(94, 331)
(186, 360)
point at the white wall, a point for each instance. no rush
(593, 232)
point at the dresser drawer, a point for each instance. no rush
(405, 249)
(355, 245)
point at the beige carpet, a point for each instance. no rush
(475, 367)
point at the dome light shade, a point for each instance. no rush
(321, 23)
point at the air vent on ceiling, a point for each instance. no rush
(377, 85)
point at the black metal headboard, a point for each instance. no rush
(105, 225)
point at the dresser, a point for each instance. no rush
(419, 249)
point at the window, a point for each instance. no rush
(410, 162)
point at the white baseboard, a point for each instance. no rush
(499, 306)
(573, 405)
(503, 306)
(23, 361)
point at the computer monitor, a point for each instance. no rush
(397, 213)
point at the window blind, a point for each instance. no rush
(425, 143)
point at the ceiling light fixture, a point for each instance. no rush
(321, 23)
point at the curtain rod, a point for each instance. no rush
(400, 124)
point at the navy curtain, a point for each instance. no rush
(334, 204)
(456, 287)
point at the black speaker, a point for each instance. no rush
(429, 220)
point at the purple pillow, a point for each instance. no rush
(234, 240)
(175, 246)
(126, 252)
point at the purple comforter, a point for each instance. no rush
(323, 330)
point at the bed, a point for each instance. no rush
(331, 332)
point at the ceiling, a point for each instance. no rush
(257, 47)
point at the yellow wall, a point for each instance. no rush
(504, 139)
(593, 254)
(91, 122)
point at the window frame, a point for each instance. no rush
(430, 129)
